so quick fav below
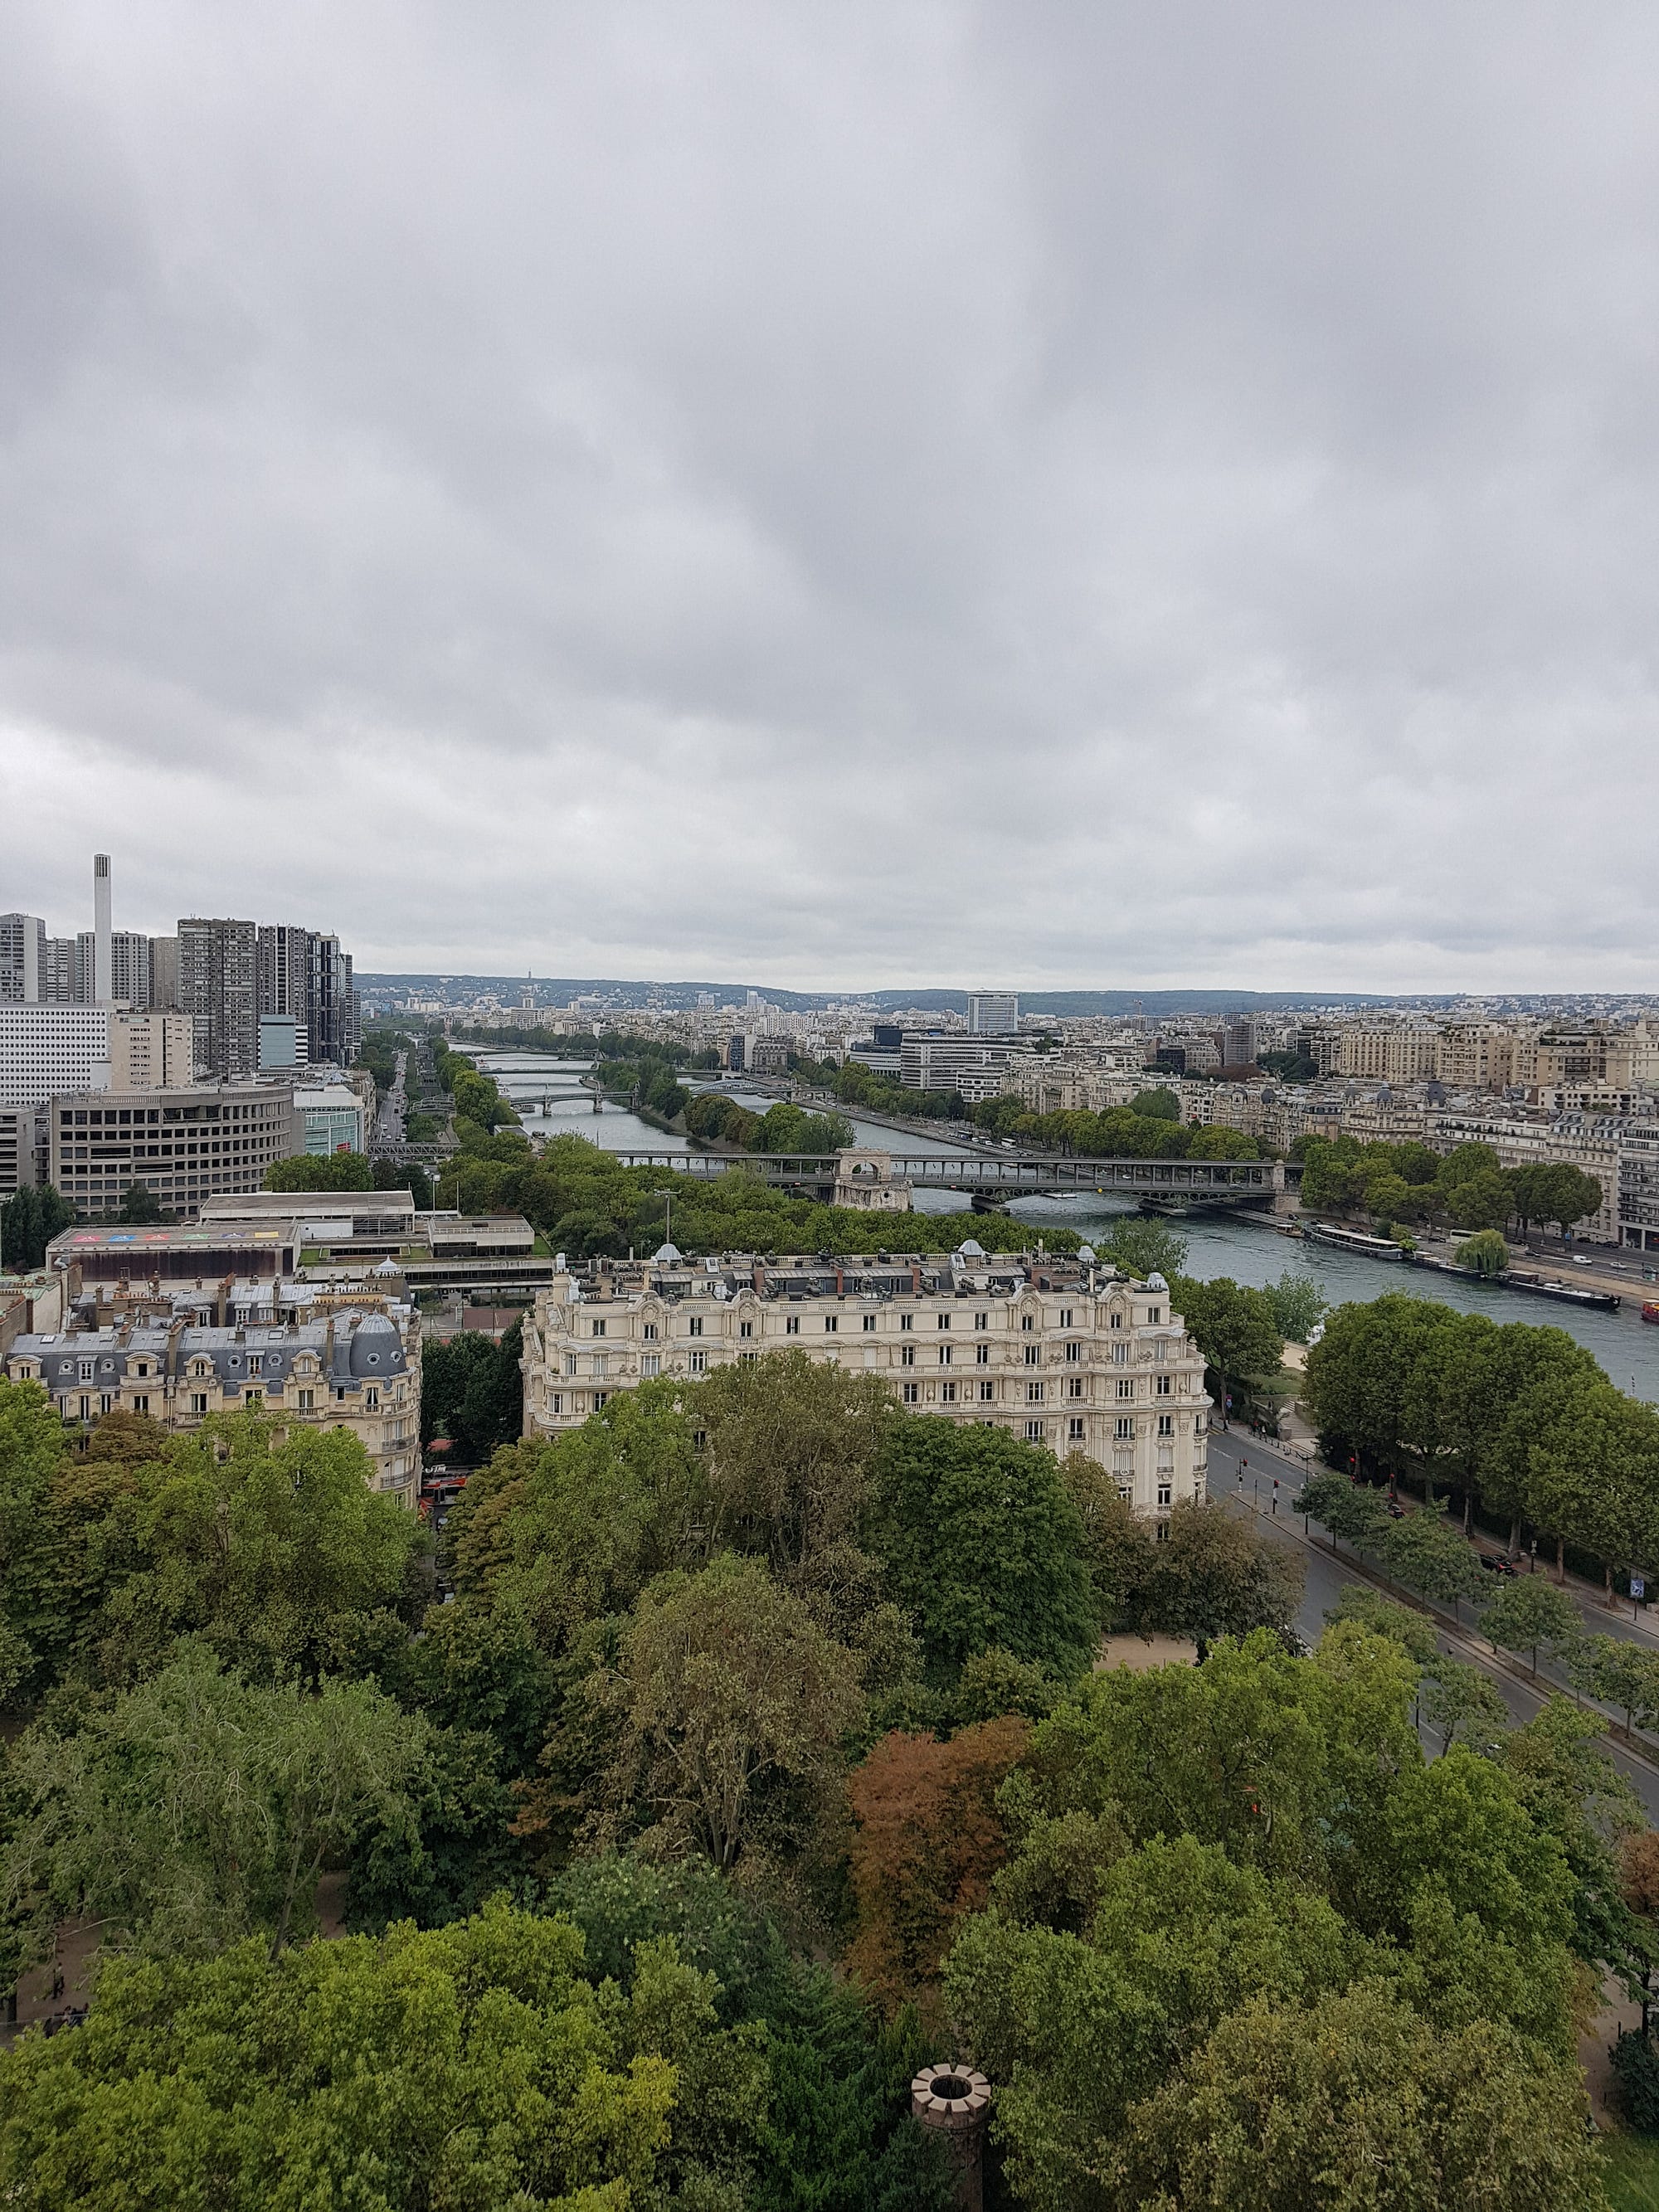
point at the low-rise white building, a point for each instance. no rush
(1065, 1354)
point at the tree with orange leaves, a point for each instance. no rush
(929, 1841)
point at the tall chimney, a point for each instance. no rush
(103, 988)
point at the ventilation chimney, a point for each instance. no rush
(103, 983)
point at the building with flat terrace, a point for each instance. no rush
(1065, 1354)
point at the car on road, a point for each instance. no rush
(1495, 1564)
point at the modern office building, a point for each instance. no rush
(186, 1144)
(45, 1050)
(218, 986)
(128, 954)
(1064, 1353)
(354, 1369)
(328, 1117)
(23, 959)
(993, 1013)
(280, 1043)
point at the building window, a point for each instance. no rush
(105, 1402)
(1027, 1323)
(745, 1328)
(981, 1355)
(987, 1392)
(88, 1368)
(1162, 1531)
(198, 1400)
(1117, 1321)
(600, 1398)
(570, 1363)
(912, 1392)
(1164, 1489)
(1034, 1355)
(372, 1399)
(1126, 1492)
(831, 1323)
(1075, 1386)
(1120, 1355)
(1126, 1426)
(558, 1403)
(791, 1324)
(1074, 1429)
(1034, 1394)
(256, 1360)
(1033, 1432)
(599, 1328)
(601, 1362)
(307, 1399)
(869, 1324)
(944, 1321)
(651, 1365)
(1074, 1355)
(141, 1404)
(694, 1327)
(944, 1355)
(947, 1391)
(906, 1321)
(981, 1320)
(649, 1331)
(1066, 1316)
(748, 1358)
(1166, 1425)
(699, 1363)
(255, 1399)
(1165, 1385)
(1154, 1315)
(907, 1355)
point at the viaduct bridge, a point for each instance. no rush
(860, 1176)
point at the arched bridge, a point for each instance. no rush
(999, 1176)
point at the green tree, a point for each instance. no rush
(1351, 1512)
(1621, 1674)
(1485, 1252)
(1215, 1576)
(981, 1544)
(1529, 1614)
(1158, 1105)
(1465, 1705)
(1143, 1246)
(197, 1809)
(1236, 1328)
(731, 1704)
(1357, 2101)
(321, 1171)
(1299, 1305)
(469, 2065)
(29, 1220)
(140, 1207)
(1429, 1556)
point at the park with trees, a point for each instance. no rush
(1467, 1188)
(759, 1755)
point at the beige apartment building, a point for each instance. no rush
(355, 1369)
(1064, 1353)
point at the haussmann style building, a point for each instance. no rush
(1065, 1354)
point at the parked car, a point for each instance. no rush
(1496, 1564)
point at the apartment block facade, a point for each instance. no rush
(219, 988)
(353, 1369)
(1062, 1353)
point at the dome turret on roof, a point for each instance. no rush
(1086, 1255)
(666, 1256)
(376, 1348)
(1155, 1283)
(968, 1249)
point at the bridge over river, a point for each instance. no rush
(996, 1177)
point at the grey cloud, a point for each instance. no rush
(1098, 495)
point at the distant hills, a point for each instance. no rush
(559, 990)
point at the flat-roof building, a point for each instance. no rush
(185, 1144)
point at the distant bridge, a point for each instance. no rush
(1000, 1177)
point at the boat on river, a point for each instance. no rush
(1650, 1311)
(1352, 1240)
(1532, 1287)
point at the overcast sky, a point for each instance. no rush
(840, 495)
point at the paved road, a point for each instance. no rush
(1327, 1576)
(389, 1118)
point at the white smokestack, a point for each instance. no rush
(103, 988)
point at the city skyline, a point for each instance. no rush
(982, 492)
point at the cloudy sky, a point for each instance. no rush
(840, 495)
